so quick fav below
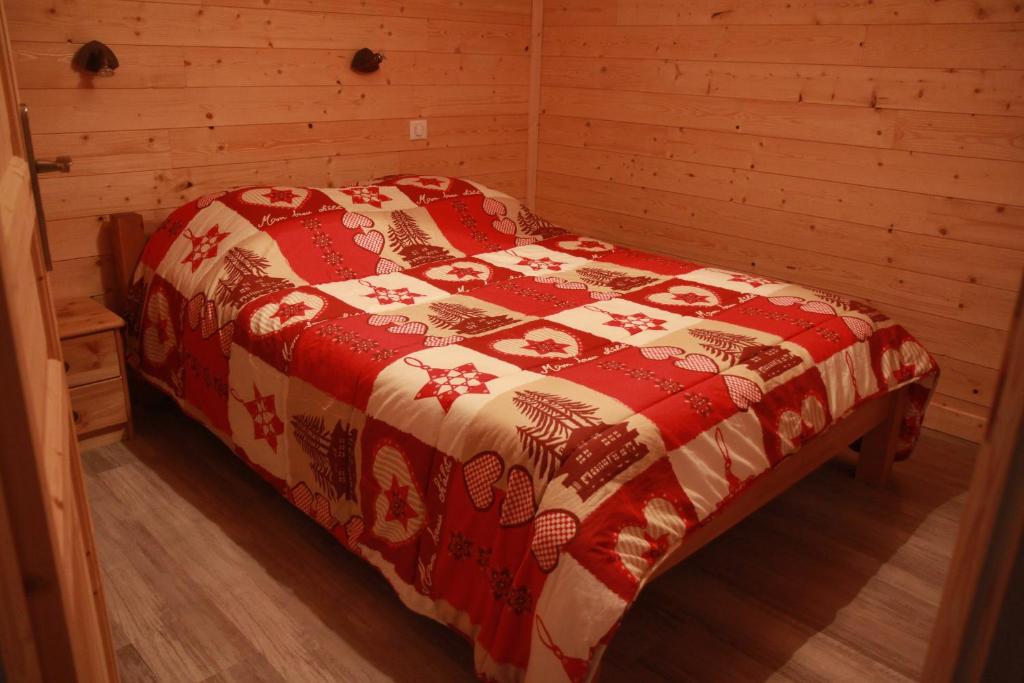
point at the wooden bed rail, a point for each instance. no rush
(876, 423)
(127, 236)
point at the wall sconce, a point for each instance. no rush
(366, 61)
(96, 58)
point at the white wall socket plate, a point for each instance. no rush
(418, 129)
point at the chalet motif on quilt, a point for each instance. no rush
(514, 424)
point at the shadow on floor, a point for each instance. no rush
(832, 576)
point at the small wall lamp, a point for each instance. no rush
(366, 61)
(96, 58)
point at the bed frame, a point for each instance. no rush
(876, 424)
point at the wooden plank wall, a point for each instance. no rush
(870, 147)
(218, 93)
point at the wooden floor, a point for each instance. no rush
(210, 576)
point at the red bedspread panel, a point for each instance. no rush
(514, 424)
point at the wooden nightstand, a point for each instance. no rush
(90, 336)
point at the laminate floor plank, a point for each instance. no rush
(211, 577)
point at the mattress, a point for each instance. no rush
(513, 423)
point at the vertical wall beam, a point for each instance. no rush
(533, 117)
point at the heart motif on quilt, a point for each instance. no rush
(433, 341)
(208, 199)
(785, 300)
(480, 474)
(313, 504)
(685, 295)
(224, 335)
(603, 296)
(354, 221)
(208, 323)
(520, 503)
(158, 329)
(552, 530)
(540, 342)
(794, 427)
(399, 511)
(640, 547)
(861, 330)
(354, 528)
(743, 392)
(378, 320)
(195, 310)
(505, 226)
(413, 327)
(372, 241)
(818, 307)
(900, 364)
(386, 265)
(660, 352)
(492, 207)
(698, 362)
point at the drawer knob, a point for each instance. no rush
(75, 416)
(67, 367)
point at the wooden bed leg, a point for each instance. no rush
(878, 446)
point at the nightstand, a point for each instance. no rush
(90, 336)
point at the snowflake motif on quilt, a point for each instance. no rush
(401, 295)
(448, 384)
(294, 308)
(203, 246)
(286, 311)
(266, 425)
(276, 197)
(542, 263)
(367, 194)
(427, 181)
(634, 323)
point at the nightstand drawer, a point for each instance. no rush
(91, 358)
(98, 405)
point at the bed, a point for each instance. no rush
(518, 426)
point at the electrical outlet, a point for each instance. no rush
(418, 129)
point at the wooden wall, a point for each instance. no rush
(219, 93)
(870, 147)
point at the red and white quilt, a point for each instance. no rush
(514, 424)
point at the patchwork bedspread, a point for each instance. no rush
(514, 424)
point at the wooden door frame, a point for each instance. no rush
(53, 625)
(982, 599)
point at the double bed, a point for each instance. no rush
(518, 426)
